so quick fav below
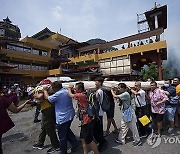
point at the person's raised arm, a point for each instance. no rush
(166, 92)
(46, 95)
(114, 95)
(164, 98)
(15, 109)
(45, 90)
(161, 102)
(133, 91)
(70, 92)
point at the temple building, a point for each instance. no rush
(144, 48)
(47, 53)
(8, 30)
(31, 58)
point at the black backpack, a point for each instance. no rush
(105, 103)
(93, 106)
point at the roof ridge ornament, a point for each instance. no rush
(7, 20)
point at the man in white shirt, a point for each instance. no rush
(140, 101)
(98, 126)
(29, 90)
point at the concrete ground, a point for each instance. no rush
(20, 139)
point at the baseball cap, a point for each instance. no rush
(45, 81)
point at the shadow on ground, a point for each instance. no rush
(18, 136)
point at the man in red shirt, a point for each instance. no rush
(86, 133)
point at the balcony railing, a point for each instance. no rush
(85, 58)
(30, 73)
(24, 56)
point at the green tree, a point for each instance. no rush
(150, 71)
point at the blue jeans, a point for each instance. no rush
(66, 134)
(170, 112)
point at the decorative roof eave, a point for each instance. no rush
(162, 20)
(77, 45)
(45, 30)
(59, 37)
(71, 41)
(38, 43)
(7, 20)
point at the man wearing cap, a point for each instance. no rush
(48, 121)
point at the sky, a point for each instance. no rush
(82, 20)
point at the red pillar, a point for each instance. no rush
(160, 75)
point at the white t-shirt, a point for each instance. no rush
(141, 98)
(29, 89)
(100, 92)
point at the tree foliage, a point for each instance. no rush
(150, 71)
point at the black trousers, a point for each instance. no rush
(48, 127)
(98, 130)
(38, 109)
(141, 111)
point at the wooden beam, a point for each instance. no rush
(123, 40)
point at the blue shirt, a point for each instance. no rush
(63, 106)
(172, 91)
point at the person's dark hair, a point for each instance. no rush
(80, 85)
(99, 79)
(170, 81)
(154, 82)
(122, 85)
(57, 85)
(177, 78)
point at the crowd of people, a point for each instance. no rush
(158, 104)
(18, 92)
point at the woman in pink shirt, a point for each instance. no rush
(158, 99)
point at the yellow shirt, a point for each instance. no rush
(45, 104)
(178, 90)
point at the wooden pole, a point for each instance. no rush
(160, 75)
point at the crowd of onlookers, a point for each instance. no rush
(157, 105)
(18, 91)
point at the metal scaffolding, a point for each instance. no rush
(142, 23)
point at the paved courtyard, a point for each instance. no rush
(20, 139)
